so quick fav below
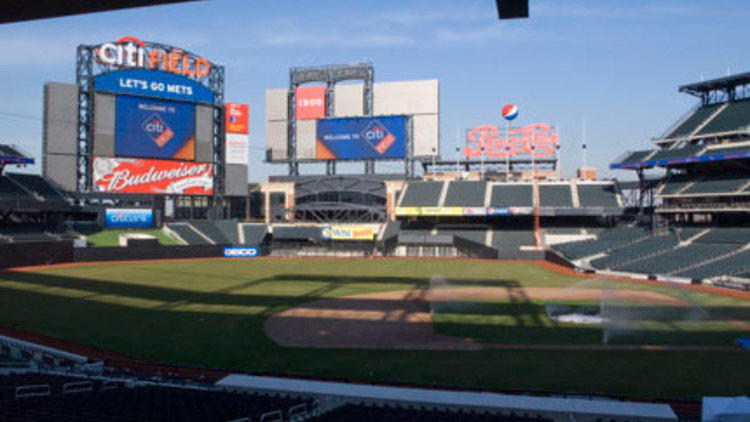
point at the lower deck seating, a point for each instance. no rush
(606, 241)
(147, 403)
(210, 230)
(254, 234)
(186, 233)
(731, 265)
(677, 258)
(364, 413)
(643, 248)
(512, 239)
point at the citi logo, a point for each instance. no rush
(157, 130)
(132, 52)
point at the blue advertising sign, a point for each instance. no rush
(153, 84)
(241, 252)
(129, 217)
(361, 138)
(150, 128)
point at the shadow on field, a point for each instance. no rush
(523, 320)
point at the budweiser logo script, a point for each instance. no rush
(537, 140)
(152, 176)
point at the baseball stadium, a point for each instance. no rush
(144, 278)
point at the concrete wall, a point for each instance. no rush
(235, 180)
(60, 133)
(204, 126)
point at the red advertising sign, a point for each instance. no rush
(311, 102)
(236, 116)
(131, 175)
(538, 140)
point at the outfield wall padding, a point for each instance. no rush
(35, 253)
(161, 252)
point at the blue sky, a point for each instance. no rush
(614, 64)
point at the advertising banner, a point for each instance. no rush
(311, 102)
(498, 211)
(153, 84)
(236, 148)
(129, 217)
(407, 211)
(441, 211)
(477, 211)
(522, 210)
(130, 175)
(241, 252)
(537, 140)
(236, 116)
(348, 233)
(149, 128)
(361, 138)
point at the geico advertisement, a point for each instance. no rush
(358, 138)
(130, 175)
(348, 233)
(149, 128)
(241, 252)
(128, 217)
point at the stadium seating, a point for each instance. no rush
(736, 116)
(363, 413)
(632, 157)
(675, 153)
(210, 230)
(188, 234)
(693, 121)
(512, 195)
(465, 194)
(146, 403)
(422, 194)
(254, 233)
(729, 235)
(38, 185)
(716, 184)
(597, 195)
(230, 230)
(642, 248)
(390, 230)
(555, 195)
(728, 149)
(608, 240)
(677, 259)
(731, 265)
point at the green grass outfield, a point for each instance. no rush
(112, 237)
(211, 313)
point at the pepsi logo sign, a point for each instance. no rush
(510, 112)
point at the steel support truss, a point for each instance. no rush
(87, 68)
(330, 75)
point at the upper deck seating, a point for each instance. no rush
(465, 194)
(422, 194)
(598, 195)
(555, 195)
(512, 195)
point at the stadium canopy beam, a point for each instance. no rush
(330, 75)
(728, 88)
(19, 11)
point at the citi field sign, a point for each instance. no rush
(132, 53)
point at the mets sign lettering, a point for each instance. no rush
(361, 138)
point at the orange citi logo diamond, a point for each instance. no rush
(156, 128)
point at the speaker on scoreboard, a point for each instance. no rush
(512, 9)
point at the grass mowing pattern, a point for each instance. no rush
(212, 313)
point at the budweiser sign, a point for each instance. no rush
(538, 140)
(130, 175)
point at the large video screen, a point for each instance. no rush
(361, 138)
(151, 128)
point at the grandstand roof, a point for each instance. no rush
(362, 392)
(727, 82)
(12, 155)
